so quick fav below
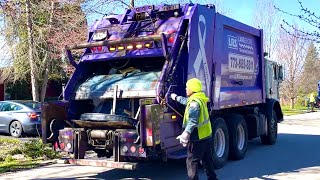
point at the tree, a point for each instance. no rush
(266, 17)
(306, 16)
(310, 75)
(42, 29)
(291, 52)
(132, 3)
(34, 82)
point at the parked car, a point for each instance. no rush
(19, 116)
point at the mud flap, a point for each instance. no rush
(52, 120)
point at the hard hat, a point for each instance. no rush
(194, 85)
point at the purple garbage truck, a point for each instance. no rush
(117, 103)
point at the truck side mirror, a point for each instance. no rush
(275, 72)
(280, 75)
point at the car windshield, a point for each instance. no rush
(34, 105)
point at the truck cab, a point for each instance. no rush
(274, 76)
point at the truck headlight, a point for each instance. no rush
(99, 35)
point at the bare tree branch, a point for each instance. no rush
(308, 17)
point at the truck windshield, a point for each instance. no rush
(133, 81)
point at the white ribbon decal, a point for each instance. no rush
(201, 56)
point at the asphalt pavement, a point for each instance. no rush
(294, 156)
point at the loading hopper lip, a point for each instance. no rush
(105, 121)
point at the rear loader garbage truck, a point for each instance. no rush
(117, 102)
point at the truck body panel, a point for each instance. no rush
(238, 55)
(200, 45)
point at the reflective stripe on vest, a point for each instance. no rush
(203, 123)
(312, 99)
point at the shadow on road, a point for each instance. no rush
(291, 153)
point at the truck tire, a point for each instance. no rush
(272, 130)
(220, 140)
(238, 133)
(103, 153)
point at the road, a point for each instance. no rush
(294, 156)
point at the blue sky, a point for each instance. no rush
(243, 10)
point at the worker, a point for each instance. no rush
(197, 130)
(312, 100)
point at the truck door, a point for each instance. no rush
(3, 125)
(5, 116)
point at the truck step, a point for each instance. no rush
(178, 154)
(100, 163)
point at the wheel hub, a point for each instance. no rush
(219, 142)
(240, 137)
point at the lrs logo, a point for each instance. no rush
(232, 42)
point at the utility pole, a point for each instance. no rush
(131, 4)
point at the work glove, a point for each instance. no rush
(184, 138)
(173, 96)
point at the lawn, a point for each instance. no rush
(7, 145)
(15, 155)
(297, 110)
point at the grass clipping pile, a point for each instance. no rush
(15, 155)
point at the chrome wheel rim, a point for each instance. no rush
(219, 142)
(240, 137)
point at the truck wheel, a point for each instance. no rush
(103, 153)
(272, 130)
(238, 131)
(100, 152)
(220, 137)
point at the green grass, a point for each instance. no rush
(6, 141)
(33, 153)
(297, 110)
(17, 165)
(7, 163)
(7, 145)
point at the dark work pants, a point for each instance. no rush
(200, 151)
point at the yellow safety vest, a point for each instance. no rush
(312, 99)
(204, 124)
